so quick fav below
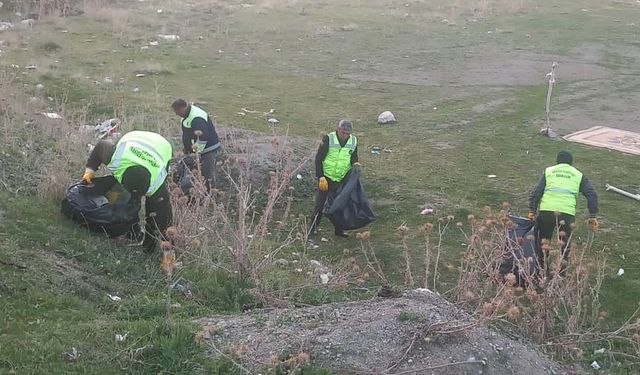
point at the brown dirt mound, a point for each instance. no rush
(415, 333)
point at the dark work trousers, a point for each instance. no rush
(546, 224)
(158, 217)
(321, 199)
(208, 168)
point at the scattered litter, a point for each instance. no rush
(31, 67)
(154, 43)
(107, 80)
(73, 355)
(599, 351)
(121, 338)
(595, 365)
(40, 86)
(159, 11)
(620, 272)
(492, 176)
(427, 211)
(181, 287)
(144, 47)
(278, 50)
(281, 262)
(387, 150)
(169, 37)
(324, 278)
(114, 298)
(29, 22)
(249, 236)
(435, 108)
(324, 239)
(548, 132)
(176, 305)
(52, 115)
(200, 37)
(375, 150)
(136, 89)
(242, 114)
(140, 75)
(220, 51)
(64, 31)
(128, 61)
(4, 26)
(299, 176)
(350, 27)
(315, 246)
(273, 121)
(386, 117)
(107, 128)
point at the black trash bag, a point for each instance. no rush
(89, 206)
(183, 172)
(520, 249)
(348, 207)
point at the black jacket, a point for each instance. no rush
(208, 130)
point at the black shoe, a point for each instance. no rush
(341, 233)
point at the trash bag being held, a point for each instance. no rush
(348, 207)
(519, 252)
(104, 206)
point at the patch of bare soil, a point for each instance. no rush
(265, 153)
(418, 333)
(610, 103)
(487, 67)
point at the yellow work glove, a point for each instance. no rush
(531, 216)
(323, 184)
(594, 225)
(88, 176)
(113, 196)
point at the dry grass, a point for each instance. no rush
(562, 313)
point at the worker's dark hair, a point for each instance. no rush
(564, 157)
(136, 180)
(179, 103)
(345, 124)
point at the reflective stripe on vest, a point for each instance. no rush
(146, 149)
(337, 163)
(195, 112)
(561, 189)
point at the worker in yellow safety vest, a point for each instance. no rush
(552, 204)
(336, 154)
(139, 161)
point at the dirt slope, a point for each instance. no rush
(382, 335)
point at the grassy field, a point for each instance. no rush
(465, 81)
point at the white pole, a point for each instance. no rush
(551, 76)
(620, 191)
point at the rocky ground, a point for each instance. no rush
(415, 333)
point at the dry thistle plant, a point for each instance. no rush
(560, 311)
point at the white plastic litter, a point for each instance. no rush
(169, 37)
(299, 176)
(114, 298)
(121, 338)
(599, 351)
(427, 211)
(595, 365)
(52, 115)
(154, 43)
(620, 272)
(324, 278)
(386, 117)
(492, 176)
(273, 121)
